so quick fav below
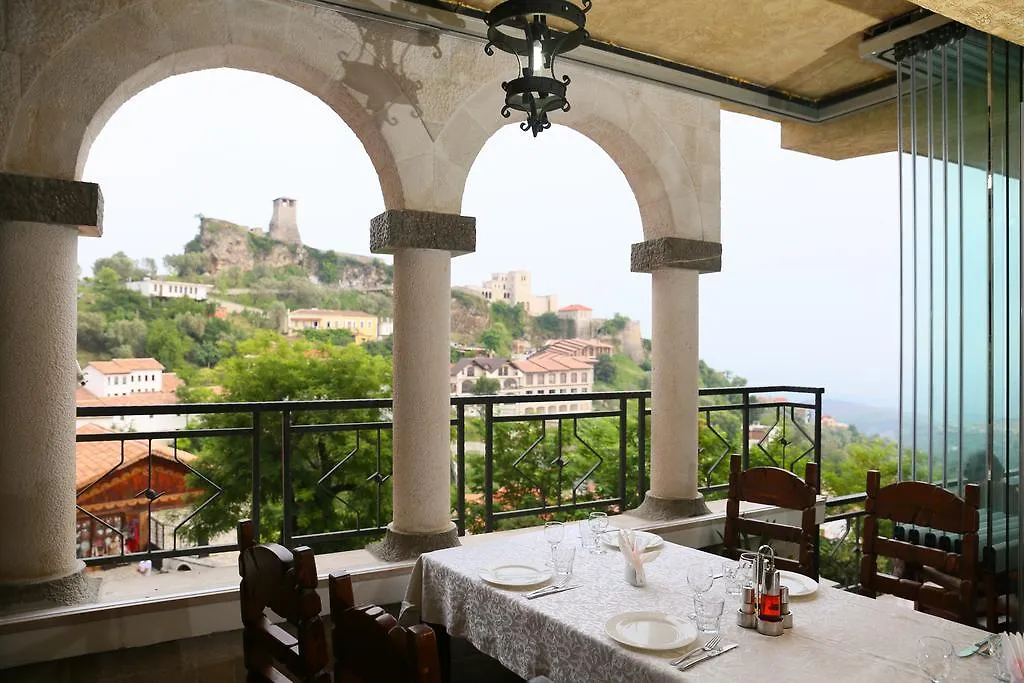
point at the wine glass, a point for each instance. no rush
(554, 532)
(934, 657)
(699, 577)
(599, 524)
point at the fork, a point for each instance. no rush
(708, 647)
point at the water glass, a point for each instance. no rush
(1002, 673)
(934, 657)
(699, 577)
(598, 524)
(746, 569)
(554, 532)
(563, 559)
(709, 612)
(733, 578)
(587, 538)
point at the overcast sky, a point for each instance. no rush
(809, 283)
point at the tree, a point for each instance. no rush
(127, 334)
(486, 386)
(615, 325)
(513, 318)
(120, 263)
(334, 337)
(192, 324)
(496, 339)
(604, 370)
(270, 368)
(548, 326)
(91, 332)
(189, 264)
(278, 317)
(167, 344)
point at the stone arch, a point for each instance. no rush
(104, 64)
(613, 117)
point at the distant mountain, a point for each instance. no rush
(866, 418)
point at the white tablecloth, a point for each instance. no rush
(837, 636)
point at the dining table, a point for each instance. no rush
(836, 635)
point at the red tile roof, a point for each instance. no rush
(550, 363)
(122, 366)
(93, 459)
(574, 307)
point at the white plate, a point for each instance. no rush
(798, 584)
(653, 540)
(515, 575)
(651, 630)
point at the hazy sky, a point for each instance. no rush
(809, 284)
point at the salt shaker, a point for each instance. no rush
(787, 616)
(746, 616)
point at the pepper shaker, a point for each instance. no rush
(787, 616)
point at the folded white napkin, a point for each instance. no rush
(1013, 653)
(632, 547)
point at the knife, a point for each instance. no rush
(550, 591)
(710, 655)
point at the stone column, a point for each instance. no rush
(40, 221)
(674, 264)
(423, 244)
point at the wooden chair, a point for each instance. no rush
(370, 646)
(276, 579)
(926, 505)
(774, 486)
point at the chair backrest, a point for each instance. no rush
(926, 505)
(283, 582)
(370, 646)
(774, 486)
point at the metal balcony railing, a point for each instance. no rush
(318, 472)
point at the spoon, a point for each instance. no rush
(972, 649)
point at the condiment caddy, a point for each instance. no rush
(765, 604)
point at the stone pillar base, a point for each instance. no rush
(660, 509)
(396, 546)
(74, 589)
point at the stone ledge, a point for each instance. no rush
(665, 509)
(676, 252)
(74, 589)
(397, 547)
(52, 201)
(408, 229)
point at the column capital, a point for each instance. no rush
(676, 252)
(52, 201)
(409, 229)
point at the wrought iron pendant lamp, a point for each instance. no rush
(521, 28)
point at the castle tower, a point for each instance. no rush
(284, 226)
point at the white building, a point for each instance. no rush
(385, 327)
(169, 289)
(123, 376)
(514, 287)
(129, 382)
(547, 375)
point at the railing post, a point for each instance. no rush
(641, 441)
(460, 467)
(488, 467)
(623, 426)
(817, 435)
(257, 483)
(745, 436)
(286, 479)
